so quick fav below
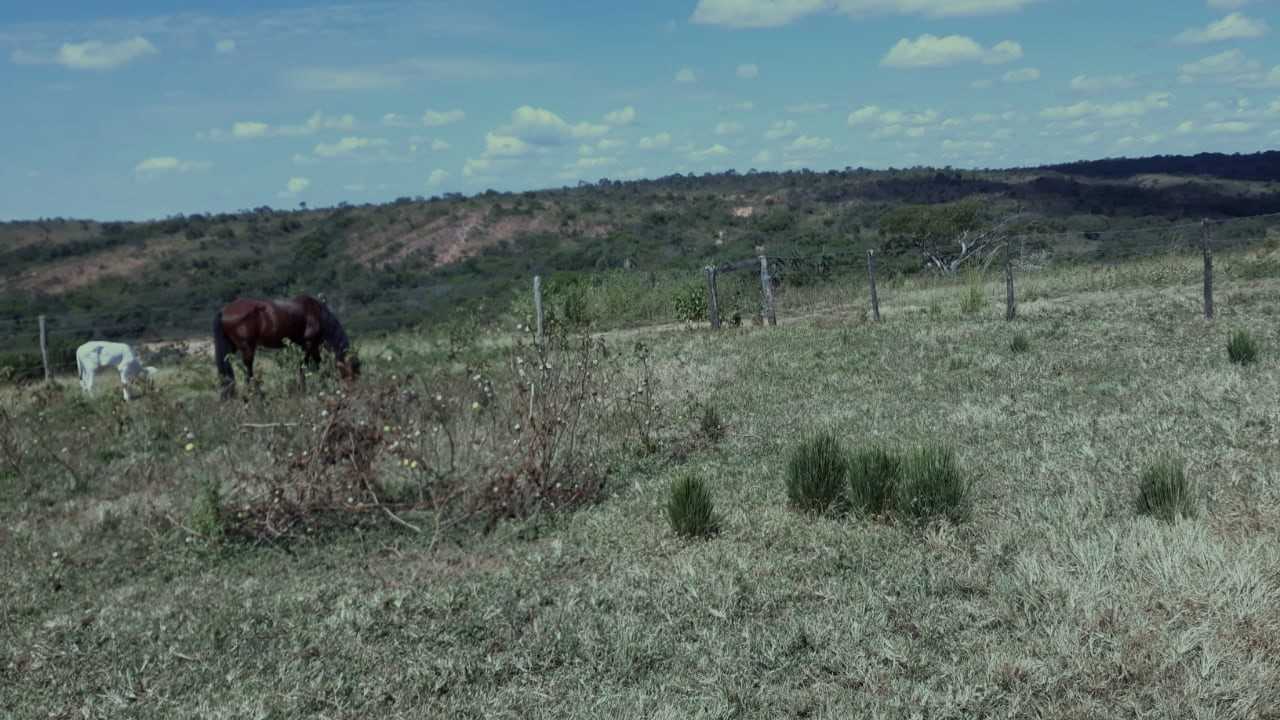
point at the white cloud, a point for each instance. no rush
(607, 144)
(398, 121)
(865, 114)
(1185, 127)
(1087, 109)
(774, 13)
(716, 150)
(225, 47)
(475, 166)
(728, 127)
(982, 84)
(1130, 140)
(933, 51)
(91, 55)
(1089, 139)
(780, 129)
(167, 164)
(1100, 83)
(504, 146)
(763, 157)
(808, 108)
(587, 163)
(744, 106)
(655, 142)
(1226, 63)
(297, 185)
(438, 118)
(543, 127)
(249, 129)
(1232, 27)
(1022, 76)
(1274, 108)
(437, 178)
(874, 113)
(975, 147)
(748, 71)
(806, 144)
(1228, 4)
(686, 76)
(621, 116)
(346, 146)
(252, 129)
(439, 145)
(1231, 127)
(325, 80)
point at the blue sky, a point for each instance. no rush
(142, 109)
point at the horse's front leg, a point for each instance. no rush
(124, 383)
(247, 354)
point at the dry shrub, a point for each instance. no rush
(471, 448)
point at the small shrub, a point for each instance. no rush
(933, 484)
(1019, 344)
(690, 509)
(710, 424)
(816, 473)
(690, 303)
(205, 517)
(873, 481)
(1242, 349)
(1164, 491)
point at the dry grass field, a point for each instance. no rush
(122, 595)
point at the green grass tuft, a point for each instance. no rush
(1019, 344)
(933, 485)
(816, 473)
(690, 509)
(205, 517)
(873, 481)
(974, 300)
(1242, 349)
(1164, 492)
(711, 424)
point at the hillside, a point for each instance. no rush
(415, 259)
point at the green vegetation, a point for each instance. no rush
(690, 510)
(816, 474)
(1020, 343)
(874, 476)
(1241, 348)
(1164, 492)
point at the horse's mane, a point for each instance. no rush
(331, 330)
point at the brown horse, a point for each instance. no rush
(244, 325)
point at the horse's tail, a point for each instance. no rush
(221, 349)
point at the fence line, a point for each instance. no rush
(1173, 238)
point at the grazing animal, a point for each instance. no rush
(244, 325)
(99, 354)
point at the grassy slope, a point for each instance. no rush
(1055, 600)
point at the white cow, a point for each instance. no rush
(99, 354)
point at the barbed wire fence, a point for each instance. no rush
(1018, 253)
(773, 276)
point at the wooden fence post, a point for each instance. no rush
(1010, 309)
(537, 303)
(713, 306)
(44, 351)
(1208, 269)
(766, 288)
(871, 275)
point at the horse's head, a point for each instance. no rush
(349, 365)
